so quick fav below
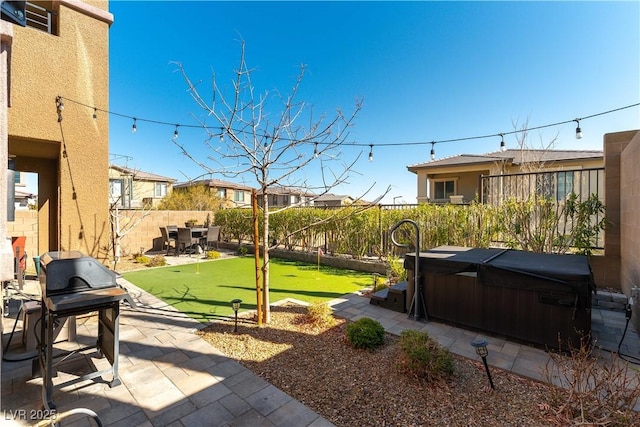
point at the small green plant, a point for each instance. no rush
(157, 261)
(395, 269)
(243, 250)
(142, 259)
(320, 314)
(212, 255)
(423, 358)
(365, 333)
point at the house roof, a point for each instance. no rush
(288, 190)
(515, 157)
(329, 197)
(213, 183)
(141, 175)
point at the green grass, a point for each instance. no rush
(204, 290)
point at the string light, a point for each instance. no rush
(315, 151)
(95, 113)
(175, 133)
(433, 151)
(60, 107)
(371, 152)
(578, 130)
(503, 148)
(134, 128)
(221, 134)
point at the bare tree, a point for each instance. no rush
(275, 148)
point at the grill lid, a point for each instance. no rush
(72, 271)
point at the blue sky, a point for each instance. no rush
(428, 71)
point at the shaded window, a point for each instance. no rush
(565, 185)
(222, 193)
(160, 189)
(444, 189)
(238, 196)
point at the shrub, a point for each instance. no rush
(320, 314)
(587, 391)
(423, 358)
(142, 259)
(212, 255)
(365, 333)
(157, 261)
(242, 250)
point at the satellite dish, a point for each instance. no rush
(15, 11)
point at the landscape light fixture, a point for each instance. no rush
(578, 130)
(235, 304)
(175, 133)
(481, 349)
(503, 148)
(371, 152)
(433, 151)
(134, 128)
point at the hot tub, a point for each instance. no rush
(543, 299)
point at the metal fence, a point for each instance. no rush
(554, 185)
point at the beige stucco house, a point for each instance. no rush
(131, 188)
(457, 179)
(51, 70)
(234, 195)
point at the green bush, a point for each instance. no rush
(365, 333)
(143, 259)
(320, 314)
(243, 250)
(212, 255)
(157, 261)
(423, 358)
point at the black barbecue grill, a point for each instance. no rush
(73, 284)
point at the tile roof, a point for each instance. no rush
(514, 156)
(216, 183)
(141, 175)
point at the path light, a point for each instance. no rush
(481, 349)
(236, 306)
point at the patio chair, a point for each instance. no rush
(213, 236)
(186, 240)
(167, 239)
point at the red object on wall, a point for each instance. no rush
(18, 243)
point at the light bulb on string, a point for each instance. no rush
(134, 128)
(95, 113)
(221, 134)
(371, 152)
(59, 108)
(175, 133)
(433, 151)
(315, 151)
(578, 130)
(503, 147)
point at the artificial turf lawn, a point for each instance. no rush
(204, 290)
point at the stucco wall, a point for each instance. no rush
(630, 222)
(71, 156)
(146, 234)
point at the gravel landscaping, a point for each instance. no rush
(353, 387)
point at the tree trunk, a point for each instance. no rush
(265, 258)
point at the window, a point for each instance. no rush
(274, 200)
(115, 188)
(17, 178)
(222, 193)
(238, 196)
(294, 199)
(443, 189)
(285, 200)
(161, 189)
(565, 185)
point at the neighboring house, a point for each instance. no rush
(24, 200)
(333, 200)
(53, 65)
(130, 188)
(457, 179)
(237, 195)
(280, 197)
